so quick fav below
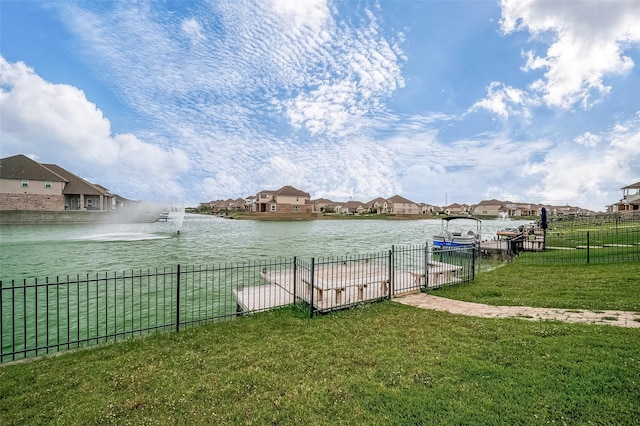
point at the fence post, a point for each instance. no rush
(295, 277)
(588, 247)
(391, 271)
(474, 253)
(1, 328)
(312, 280)
(178, 299)
(426, 265)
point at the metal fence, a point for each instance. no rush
(580, 245)
(44, 316)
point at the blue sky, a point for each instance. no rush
(456, 101)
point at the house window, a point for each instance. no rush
(25, 183)
(296, 208)
(48, 184)
(273, 207)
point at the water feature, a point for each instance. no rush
(48, 250)
(176, 215)
(503, 215)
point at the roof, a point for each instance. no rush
(633, 186)
(290, 191)
(23, 167)
(399, 199)
(372, 202)
(490, 202)
(352, 204)
(76, 184)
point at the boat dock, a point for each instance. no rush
(509, 243)
(334, 287)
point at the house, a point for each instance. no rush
(80, 194)
(352, 207)
(490, 208)
(378, 205)
(322, 205)
(285, 200)
(400, 205)
(26, 184)
(630, 201)
(456, 208)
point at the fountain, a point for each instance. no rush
(176, 213)
(503, 215)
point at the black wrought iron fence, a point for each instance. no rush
(43, 316)
(579, 245)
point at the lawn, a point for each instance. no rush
(384, 363)
(577, 286)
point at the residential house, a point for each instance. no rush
(456, 209)
(400, 205)
(630, 201)
(264, 200)
(378, 205)
(428, 208)
(285, 200)
(567, 210)
(80, 194)
(523, 209)
(352, 207)
(26, 184)
(322, 205)
(490, 208)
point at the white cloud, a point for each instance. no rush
(589, 40)
(312, 14)
(579, 174)
(192, 29)
(504, 100)
(62, 126)
(244, 104)
(587, 139)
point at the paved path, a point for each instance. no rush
(426, 301)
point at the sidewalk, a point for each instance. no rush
(426, 301)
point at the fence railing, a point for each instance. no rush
(579, 245)
(40, 316)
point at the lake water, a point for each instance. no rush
(28, 251)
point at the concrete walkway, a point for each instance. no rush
(426, 301)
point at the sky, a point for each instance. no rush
(438, 101)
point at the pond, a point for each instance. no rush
(28, 251)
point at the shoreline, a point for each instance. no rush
(34, 217)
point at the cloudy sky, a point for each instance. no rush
(438, 101)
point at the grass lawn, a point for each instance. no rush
(384, 363)
(581, 286)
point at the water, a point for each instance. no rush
(28, 251)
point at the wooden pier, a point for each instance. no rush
(334, 286)
(510, 243)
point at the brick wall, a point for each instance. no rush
(38, 202)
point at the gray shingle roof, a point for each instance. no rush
(76, 184)
(23, 167)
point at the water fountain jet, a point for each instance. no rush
(176, 213)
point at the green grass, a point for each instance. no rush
(580, 286)
(384, 363)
